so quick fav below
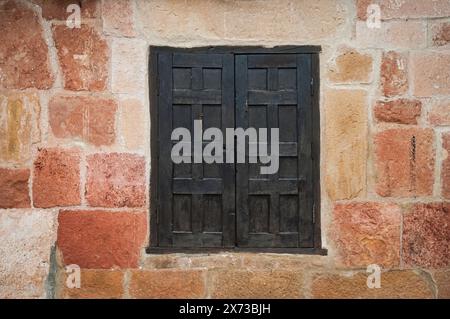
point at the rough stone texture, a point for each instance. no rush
(91, 119)
(115, 180)
(277, 262)
(402, 111)
(293, 20)
(164, 261)
(256, 284)
(263, 261)
(442, 279)
(118, 17)
(345, 143)
(224, 260)
(83, 56)
(394, 74)
(204, 18)
(102, 240)
(67, 116)
(133, 123)
(14, 191)
(430, 73)
(439, 33)
(445, 170)
(19, 126)
(404, 161)
(391, 9)
(167, 283)
(439, 112)
(57, 9)
(95, 284)
(23, 52)
(394, 284)
(242, 20)
(129, 64)
(367, 233)
(351, 66)
(426, 235)
(56, 180)
(393, 34)
(26, 240)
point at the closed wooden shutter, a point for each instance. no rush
(275, 210)
(196, 201)
(228, 205)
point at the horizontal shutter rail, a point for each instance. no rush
(182, 96)
(269, 186)
(272, 97)
(272, 61)
(195, 60)
(206, 186)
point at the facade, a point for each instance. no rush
(76, 164)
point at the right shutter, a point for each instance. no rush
(276, 211)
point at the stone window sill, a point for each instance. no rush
(186, 250)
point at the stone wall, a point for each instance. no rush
(75, 157)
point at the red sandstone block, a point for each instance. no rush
(83, 56)
(367, 233)
(404, 160)
(23, 51)
(402, 111)
(394, 74)
(118, 18)
(99, 239)
(56, 180)
(14, 188)
(116, 180)
(426, 235)
(89, 118)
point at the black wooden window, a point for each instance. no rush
(201, 206)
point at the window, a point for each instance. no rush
(232, 205)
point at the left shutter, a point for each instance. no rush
(196, 201)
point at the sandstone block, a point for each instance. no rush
(345, 143)
(404, 160)
(116, 180)
(56, 180)
(100, 239)
(367, 233)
